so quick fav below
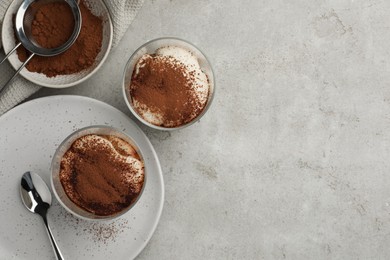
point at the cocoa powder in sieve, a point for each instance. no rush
(52, 26)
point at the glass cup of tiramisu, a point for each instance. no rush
(168, 84)
(98, 173)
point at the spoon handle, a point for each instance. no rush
(57, 251)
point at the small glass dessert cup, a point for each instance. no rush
(150, 48)
(58, 188)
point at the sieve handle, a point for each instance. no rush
(9, 53)
(16, 73)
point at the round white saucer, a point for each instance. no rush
(29, 135)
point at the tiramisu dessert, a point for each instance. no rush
(168, 88)
(103, 174)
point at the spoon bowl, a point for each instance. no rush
(36, 197)
(35, 194)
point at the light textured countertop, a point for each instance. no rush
(293, 158)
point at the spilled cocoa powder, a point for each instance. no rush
(98, 232)
(52, 26)
(165, 87)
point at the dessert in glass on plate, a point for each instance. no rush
(168, 84)
(98, 173)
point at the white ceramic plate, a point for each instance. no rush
(29, 135)
(8, 38)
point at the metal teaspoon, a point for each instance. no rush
(36, 197)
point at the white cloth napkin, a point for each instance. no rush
(122, 14)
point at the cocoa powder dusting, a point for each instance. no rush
(95, 178)
(165, 87)
(51, 26)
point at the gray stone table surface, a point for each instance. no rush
(293, 158)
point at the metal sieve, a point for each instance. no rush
(23, 21)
